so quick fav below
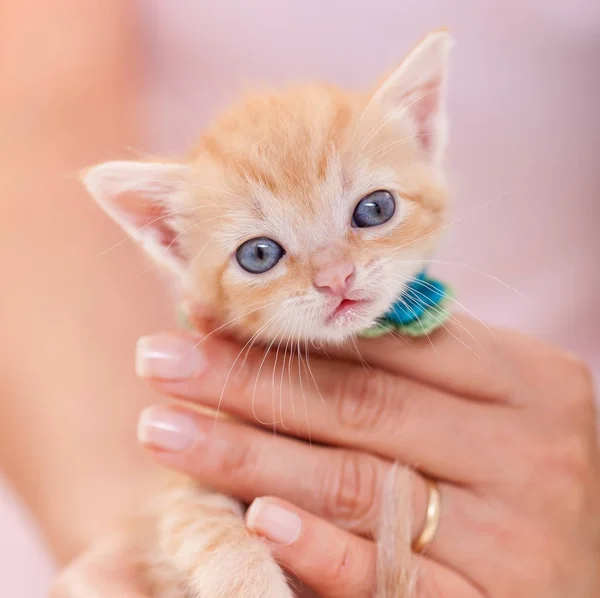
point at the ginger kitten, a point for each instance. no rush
(301, 215)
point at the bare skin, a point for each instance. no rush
(70, 315)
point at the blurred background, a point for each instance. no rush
(525, 139)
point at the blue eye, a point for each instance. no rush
(259, 255)
(374, 209)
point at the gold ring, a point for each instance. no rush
(432, 519)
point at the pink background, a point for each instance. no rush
(524, 154)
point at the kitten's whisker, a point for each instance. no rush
(365, 365)
(465, 308)
(442, 313)
(415, 293)
(399, 337)
(229, 322)
(302, 390)
(366, 109)
(396, 114)
(276, 418)
(167, 215)
(437, 230)
(263, 328)
(452, 316)
(193, 226)
(467, 267)
(381, 150)
(360, 119)
(267, 353)
(249, 342)
(441, 323)
(256, 335)
(197, 256)
(311, 372)
(281, 378)
(291, 387)
(283, 334)
(216, 190)
(412, 311)
(386, 144)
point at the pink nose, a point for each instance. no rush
(335, 279)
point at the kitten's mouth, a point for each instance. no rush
(347, 310)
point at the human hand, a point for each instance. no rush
(504, 423)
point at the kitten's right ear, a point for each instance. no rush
(416, 91)
(145, 198)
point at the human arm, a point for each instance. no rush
(70, 311)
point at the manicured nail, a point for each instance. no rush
(168, 357)
(273, 522)
(167, 429)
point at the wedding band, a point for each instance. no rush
(432, 519)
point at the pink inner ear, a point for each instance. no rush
(148, 217)
(423, 104)
(425, 110)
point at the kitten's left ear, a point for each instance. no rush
(416, 90)
(149, 200)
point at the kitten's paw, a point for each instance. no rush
(246, 572)
(225, 577)
(200, 548)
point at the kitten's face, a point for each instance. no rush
(302, 214)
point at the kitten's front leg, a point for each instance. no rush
(202, 549)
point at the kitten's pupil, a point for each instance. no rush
(260, 253)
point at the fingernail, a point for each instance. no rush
(167, 430)
(168, 357)
(273, 522)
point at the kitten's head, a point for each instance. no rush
(302, 213)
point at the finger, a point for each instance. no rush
(342, 486)
(335, 563)
(334, 402)
(246, 462)
(463, 343)
(465, 346)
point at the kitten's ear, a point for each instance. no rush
(417, 90)
(145, 198)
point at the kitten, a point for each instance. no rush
(310, 205)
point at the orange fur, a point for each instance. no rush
(290, 165)
(284, 144)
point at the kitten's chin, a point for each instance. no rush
(325, 324)
(348, 320)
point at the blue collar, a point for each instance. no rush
(422, 307)
(420, 294)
